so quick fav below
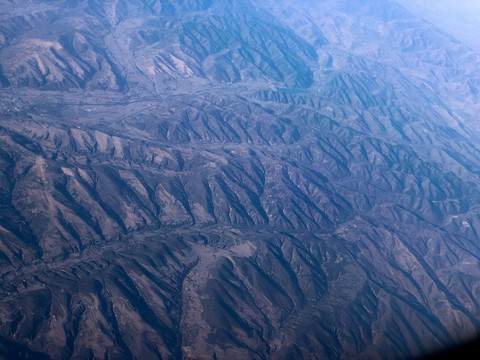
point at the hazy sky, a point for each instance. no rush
(461, 18)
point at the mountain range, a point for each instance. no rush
(236, 179)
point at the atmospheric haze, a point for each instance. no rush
(459, 18)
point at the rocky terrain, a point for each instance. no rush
(240, 179)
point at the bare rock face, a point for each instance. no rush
(235, 180)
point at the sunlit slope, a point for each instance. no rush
(147, 45)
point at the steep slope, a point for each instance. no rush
(235, 179)
(147, 44)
